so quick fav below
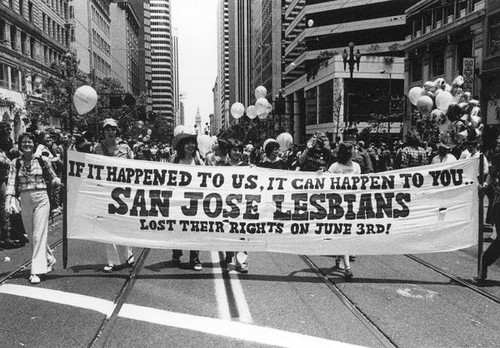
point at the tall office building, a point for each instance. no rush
(125, 45)
(162, 86)
(223, 88)
(175, 73)
(90, 24)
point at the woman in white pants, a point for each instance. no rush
(29, 176)
(119, 256)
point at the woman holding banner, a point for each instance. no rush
(118, 256)
(29, 177)
(186, 148)
(235, 150)
(345, 165)
(492, 188)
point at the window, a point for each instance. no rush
(437, 61)
(416, 69)
(30, 11)
(494, 35)
(311, 106)
(326, 102)
(21, 7)
(464, 49)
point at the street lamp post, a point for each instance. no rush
(279, 108)
(390, 102)
(352, 59)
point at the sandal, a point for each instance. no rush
(109, 268)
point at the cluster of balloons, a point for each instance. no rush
(449, 108)
(261, 109)
(85, 99)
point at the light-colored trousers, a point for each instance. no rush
(118, 254)
(35, 210)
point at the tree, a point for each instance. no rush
(58, 88)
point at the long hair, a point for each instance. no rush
(179, 148)
(345, 153)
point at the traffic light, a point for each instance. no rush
(117, 100)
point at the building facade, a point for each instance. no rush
(162, 85)
(125, 47)
(33, 35)
(222, 110)
(321, 92)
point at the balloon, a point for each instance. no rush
(310, 23)
(85, 99)
(179, 129)
(149, 132)
(443, 100)
(260, 92)
(261, 106)
(269, 108)
(205, 144)
(263, 115)
(251, 113)
(414, 94)
(285, 140)
(424, 104)
(140, 124)
(237, 110)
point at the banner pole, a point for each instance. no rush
(481, 218)
(65, 208)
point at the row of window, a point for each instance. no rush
(102, 65)
(100, 42)
(18, 40)
(54, 30)
(58, 6)
(101, 23)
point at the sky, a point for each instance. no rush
(196, 24)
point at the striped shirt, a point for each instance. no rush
(30, 178)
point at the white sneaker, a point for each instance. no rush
(50, 265)
(34, 279)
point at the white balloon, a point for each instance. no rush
(237, 110)
(414, 94)
(85, 99)
(443, 100)
(424, 104)
(179, 129)
(269, 108)
(310, 23)
(261, 105)
(205, 144)
(260, 92)
(263, 115)
(149, 132)
(285, 140)
(251, 113)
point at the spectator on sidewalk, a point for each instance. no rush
(27, 176)
(443, 155)
(413, 155)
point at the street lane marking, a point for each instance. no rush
(220, 289)
(65, 298)
(213, 326)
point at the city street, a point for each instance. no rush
(285, 300)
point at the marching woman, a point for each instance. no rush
(29, 176)
(345, 165)
(118, 256)
(234, 158)
(186, 147)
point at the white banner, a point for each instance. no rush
(160, 205)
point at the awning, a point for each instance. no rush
(14, 96)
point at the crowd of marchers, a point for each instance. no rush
(31, 168)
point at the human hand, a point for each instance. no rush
(311, 142)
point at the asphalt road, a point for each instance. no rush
(285, 300)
